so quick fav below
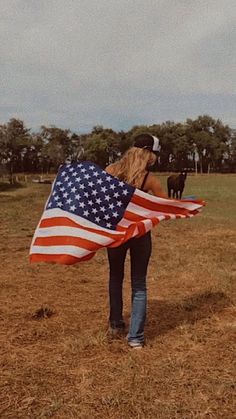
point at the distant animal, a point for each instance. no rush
(175, 185)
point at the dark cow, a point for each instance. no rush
(175, 184)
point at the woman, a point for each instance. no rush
(133, 168)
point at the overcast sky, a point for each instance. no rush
(117, 63)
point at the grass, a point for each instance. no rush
(57, 359)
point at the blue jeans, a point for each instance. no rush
(140, 252)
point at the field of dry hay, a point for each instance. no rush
(57, 359)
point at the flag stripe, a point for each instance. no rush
(159, 206)
(64, 221)
(82, 222)
(144, 212)
(74, 232)
(142, 228)
(191, 204)
(130, 232)
(70, 241)
(57, 250)
(63, 259)
(130, 216)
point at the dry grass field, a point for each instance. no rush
(57, 359)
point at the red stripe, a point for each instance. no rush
(129, 234)
(67, 241)
(137, 218)
(155, 221)
(141, 229)
(62, 259)
(163, 208)
(66, 222)
(131, 216)
(121, 228)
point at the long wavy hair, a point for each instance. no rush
(133, 165)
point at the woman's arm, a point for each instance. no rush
(153, 185)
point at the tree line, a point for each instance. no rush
(203, 145)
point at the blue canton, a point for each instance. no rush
(84, 189)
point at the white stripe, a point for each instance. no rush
(60, 250)
(147, 224)
(136, 209)
(125, 223)
(73, 232)
(164, 201)
(144, 212)
(80, 220)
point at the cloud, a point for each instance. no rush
(76, 63)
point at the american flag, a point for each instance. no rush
(89, 209)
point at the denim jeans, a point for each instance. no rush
(140, 252)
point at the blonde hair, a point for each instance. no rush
(132, 166)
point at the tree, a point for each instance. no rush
(204, 140)
(210, 139)
(57, 145)
(15, 140)
(102, 146)
(32, 157)
(167, 138)
(230, 156)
